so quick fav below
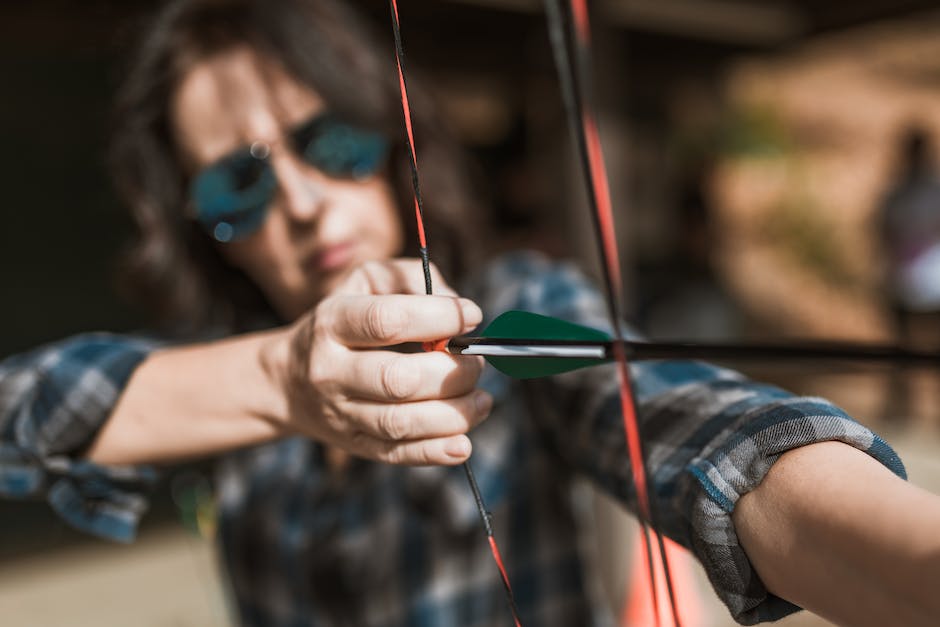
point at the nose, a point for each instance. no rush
(302, 191)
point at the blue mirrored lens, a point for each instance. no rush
(340, 150)
(232, 196)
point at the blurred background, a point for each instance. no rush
(773, 170)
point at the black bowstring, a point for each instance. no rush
(485, 515)
(572, 79)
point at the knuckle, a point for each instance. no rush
(325, 308)
(393, 423)
(336, 422)
(370, 267)
(383, 322)
(405, 264)
(356, 282)
(394, 455)
(320, 372)
(324, 326)
(372, 273)
(467, 409)
(359, 442)
(397, 381)
(321, 322)
(422, 456)
(366, 278)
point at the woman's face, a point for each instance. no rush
(317, 228)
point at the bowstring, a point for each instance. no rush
(573, 77)
(485, 516)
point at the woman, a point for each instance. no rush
(256, 148)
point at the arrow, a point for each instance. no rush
(525, 345)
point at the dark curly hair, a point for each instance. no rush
(173, 268)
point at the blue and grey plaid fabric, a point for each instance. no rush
(384, 545)
(52, 401)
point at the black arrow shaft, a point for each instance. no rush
(768, 352)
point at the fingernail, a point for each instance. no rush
(472, 315)
(483, 402)
(458, 447)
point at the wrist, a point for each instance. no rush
(273, 362)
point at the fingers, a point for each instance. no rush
(398, 408)
(385, 376)
(421, 433)
(397, 276)
(419, 420)
(448, 451)
(375, 321)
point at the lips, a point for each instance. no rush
(331, 257)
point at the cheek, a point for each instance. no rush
(252, 256)
(271, 263)
(395, 234)
(381, 223)
(271, 258)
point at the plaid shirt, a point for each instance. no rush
(385, 545)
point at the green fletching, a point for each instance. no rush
(523, 324)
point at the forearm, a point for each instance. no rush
(193, 401)
(834, 531)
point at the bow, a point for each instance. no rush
(573, 73)
(584, 131)
(425, 264)
(524, 345)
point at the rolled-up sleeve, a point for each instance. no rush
(53, 401)
(710, 434)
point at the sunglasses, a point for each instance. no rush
(231, 197)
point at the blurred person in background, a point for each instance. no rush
(686, 296)
(258, 148)
(909, 233)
